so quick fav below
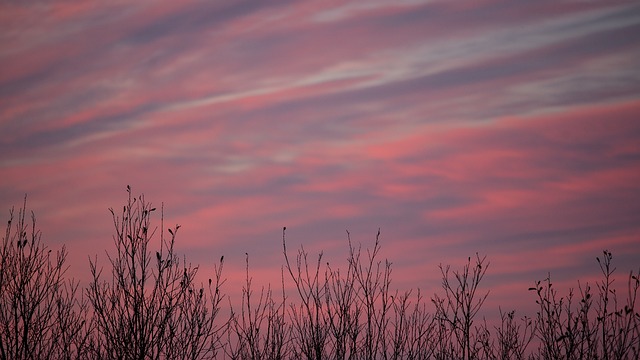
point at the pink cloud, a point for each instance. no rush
(323, 117)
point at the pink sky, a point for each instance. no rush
(511, 129)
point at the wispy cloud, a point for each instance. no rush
(499, 127)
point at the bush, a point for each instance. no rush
(41, 315)
(149, 305)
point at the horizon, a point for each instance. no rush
(507, 130)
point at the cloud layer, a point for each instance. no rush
(508, 129)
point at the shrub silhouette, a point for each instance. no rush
(41, 314)
(568, 331)
(148, 305)
(151, 307)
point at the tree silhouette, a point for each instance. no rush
(40, 315)
(151, 307)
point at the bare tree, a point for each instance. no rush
(150, 305)
(513, 337)
(373, 279)
(259, 330)
(151, 308)
(455, 312)
(40, 315)
(354, 314)
(308, 322)
(598, 327)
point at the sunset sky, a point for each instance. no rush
(507, 128)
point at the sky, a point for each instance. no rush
(510, 129)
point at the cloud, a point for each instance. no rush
(507, 129)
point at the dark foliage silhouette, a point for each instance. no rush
(149, 304)
(41, 313)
